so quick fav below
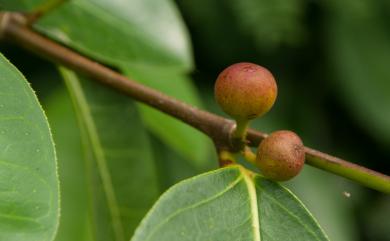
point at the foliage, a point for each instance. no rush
(29, 185)
(232, 209)
(116, 157)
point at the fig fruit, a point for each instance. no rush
(281, 155)
(245, 91)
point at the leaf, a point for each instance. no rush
(269, 23)
(120, 165)
(228, 204)
(148, 40)
(184, 139)
(29, 198)
(360, 50)
(146, 32)
(322, 192)
(171, 167)
(71, 166)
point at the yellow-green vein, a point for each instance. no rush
(253, 202)
(78, 97)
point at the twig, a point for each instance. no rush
(217, 128)
(338, 166)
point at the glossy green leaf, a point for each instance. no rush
(360, 48)
(228, 204)
(119, 160)
(71, 167)
(191, 144)
(146, 32)
(29, 198)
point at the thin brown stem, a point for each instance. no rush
(13, 28)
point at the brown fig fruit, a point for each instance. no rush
(245, 91)
(281, 156)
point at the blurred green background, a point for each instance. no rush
(331, 60)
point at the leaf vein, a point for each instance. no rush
(228, 188)
(288, 212)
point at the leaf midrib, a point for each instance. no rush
(215, 196)
(247, 177)
(85, 114)
(253, 202)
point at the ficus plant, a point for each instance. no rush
(110, 166)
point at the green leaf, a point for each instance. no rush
(228, 204)
(21, 5)
(146, 32)
(322, 192)
(29, 198)
(360, 50)
(184, 139)
(171, 167)
(71, 166)
(121, 170)
(269, 23)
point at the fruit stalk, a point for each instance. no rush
(249, 155)
(239, 134)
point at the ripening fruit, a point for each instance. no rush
(245, 91)
(281, 156)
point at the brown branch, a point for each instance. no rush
(13, 28)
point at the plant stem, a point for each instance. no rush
(241, 129)
(349, 170)
(335, 165)
(226, 158)
(249, 155)
(239, 134)
(12, 29)
(217, 128)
